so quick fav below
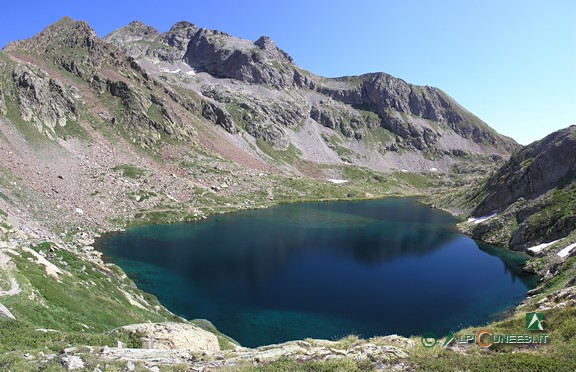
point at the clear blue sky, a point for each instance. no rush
(511, 62)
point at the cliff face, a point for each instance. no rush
(534, 194)
(532, 171)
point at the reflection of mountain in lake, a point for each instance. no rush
(513, 262)
(333, 268)
(256, 244)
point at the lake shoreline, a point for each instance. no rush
(415, 199)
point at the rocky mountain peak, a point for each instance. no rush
(134, 31)
(268, 46)
(66, 33)
(265, 43)
(179, 35)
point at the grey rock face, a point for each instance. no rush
(255, 87)
(532, 171)
(179, 36)
(66, 33)
(384, 95)
(219, 116)
(397, 105)
(137, 33)
(337, 116)
(222, 55)
(44, 101)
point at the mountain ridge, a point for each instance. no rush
(241, 60)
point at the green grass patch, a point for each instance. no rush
(289, 156)
(130, 171)
(335, 365)
(417, 180)
(72, 129)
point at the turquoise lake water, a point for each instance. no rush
(323, 270)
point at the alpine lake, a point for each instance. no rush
(323, 270)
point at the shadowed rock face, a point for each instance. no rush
(532, 171)
(222, 55)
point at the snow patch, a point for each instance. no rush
(482, 219)
(540, 247)
(191, 72)
(566, 251)
(336, 181)
(433, 169)
(163, 69)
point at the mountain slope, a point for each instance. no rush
(83, 109)
(373, 120)
(533, 194)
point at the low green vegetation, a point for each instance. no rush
(72, 129)
(129, 171)
(558, 355)
(336, 365)
(80, 303)
(105, 306)
(289, 156)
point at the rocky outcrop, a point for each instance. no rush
(175, 336)
(43, 101)
(532, 196)
(335, 115)
(72, 363)
(134, 31)
(218, 115)
(386, 95)
(255, 89)
(380, 352)
(66, 33)
(225, 56)
(532, 171)
(416, 117)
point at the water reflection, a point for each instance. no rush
(258, 244)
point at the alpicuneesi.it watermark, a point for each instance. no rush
(487, 338)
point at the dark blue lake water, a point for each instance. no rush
(323, 270)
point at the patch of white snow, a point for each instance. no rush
(540, 247)
(566, 251)
(478, 220)
(337, 181)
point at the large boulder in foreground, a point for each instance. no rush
(175, 336)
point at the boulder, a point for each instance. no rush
(175, 336)
(72, 362)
